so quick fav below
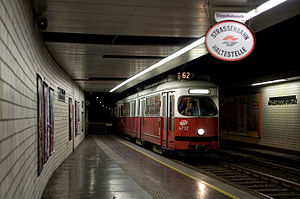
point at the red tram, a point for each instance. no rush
(176, 115)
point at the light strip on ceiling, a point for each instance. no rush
(163, 61)
(253, 13)
(269, 82)
(263, 7)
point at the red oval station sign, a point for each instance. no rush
(230, 40)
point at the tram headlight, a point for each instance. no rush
(201, 131)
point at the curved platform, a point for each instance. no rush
(108, 167)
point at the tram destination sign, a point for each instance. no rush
(230, 41)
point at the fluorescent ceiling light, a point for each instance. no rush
(251, 14)
(161, 62)
(269, 82)
(199, 91)
(263, 7)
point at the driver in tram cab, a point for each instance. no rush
(182, 106)
(192, 109)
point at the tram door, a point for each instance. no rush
(168, 100)
(138, 119)
(142, 116)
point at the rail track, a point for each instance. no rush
(259, 177)
(283, 169)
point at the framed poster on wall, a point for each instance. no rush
(76, 122)
(51, 120)
(82, 116)
(241, 115)
(46, 122)
(40, 124)
(70, 119)
(78, 118)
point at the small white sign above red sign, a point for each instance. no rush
(230, 40)
(235, 16)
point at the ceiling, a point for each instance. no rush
(101, 43)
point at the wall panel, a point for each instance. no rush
(22, 56)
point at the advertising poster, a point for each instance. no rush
(40, 136)
(241, 115)
(76, 118)
(46, 121)
(78, 111)
(82, 116)
(70, 119)
(51, 120)
(254, 113)
(73, 126)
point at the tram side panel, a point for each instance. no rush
(134, 127)
(118, 119)
(138, 127)
(151, 130)
(126, 128)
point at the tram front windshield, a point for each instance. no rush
(197, 106)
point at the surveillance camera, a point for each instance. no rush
(42, 23)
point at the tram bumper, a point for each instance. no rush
(196, 143)
(200, 147)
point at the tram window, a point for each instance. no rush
(153, 104)
(132, 109)
(148, 106)
(182, 105)
(143, 108)
(197, 106)
(157, 105)
(126, 109)
(138, 108)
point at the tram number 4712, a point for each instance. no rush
(183, 128)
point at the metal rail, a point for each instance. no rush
(281, 169)
(285, 183)
(256, 182)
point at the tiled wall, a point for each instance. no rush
(280, 124)
(22, 56)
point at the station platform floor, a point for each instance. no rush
(106, 166)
